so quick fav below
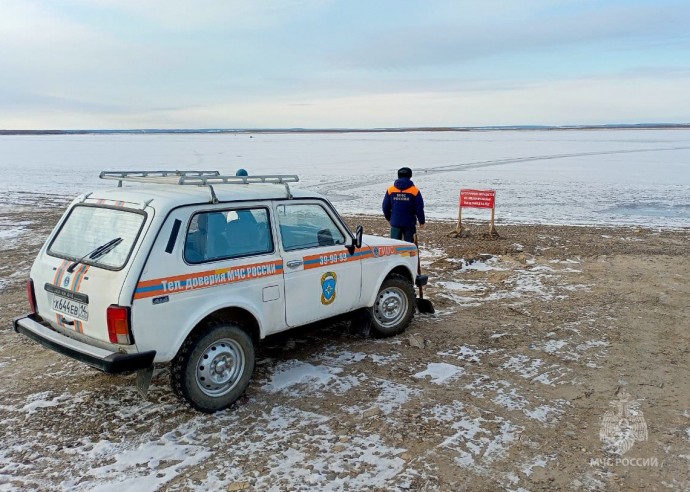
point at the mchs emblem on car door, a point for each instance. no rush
(328, 283)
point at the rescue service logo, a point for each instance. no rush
(329, 281)
(385, 251)
(624, 425)
(621, 427)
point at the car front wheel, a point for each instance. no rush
(213, 368)
(394, 307)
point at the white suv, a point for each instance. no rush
(193, 268)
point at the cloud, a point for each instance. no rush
(25, 22)
(593, 101)
(497, 29)
(43, 48)
(588, 101)
(126, 63)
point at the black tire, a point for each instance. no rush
(214, 366)
(394, 307)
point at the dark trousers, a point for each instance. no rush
(404, 233)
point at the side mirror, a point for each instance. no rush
(355, 242)
(358, 236)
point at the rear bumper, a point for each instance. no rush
(96, 357)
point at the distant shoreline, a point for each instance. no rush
(153, 131)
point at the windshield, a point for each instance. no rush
(88, 228)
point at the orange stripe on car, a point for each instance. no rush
(76, 282)
(59, 271)
(82, 277)
(208, 278)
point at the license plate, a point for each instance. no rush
(71, 308)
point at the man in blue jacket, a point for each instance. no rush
(403, 206)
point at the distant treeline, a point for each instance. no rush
(636, 126)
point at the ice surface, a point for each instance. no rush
(635, 177)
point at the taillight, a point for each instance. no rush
(31, 293)
(118, 325)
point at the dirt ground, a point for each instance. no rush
(544, 338)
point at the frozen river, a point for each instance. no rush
(618, 177)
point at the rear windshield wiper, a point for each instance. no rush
(97, 253)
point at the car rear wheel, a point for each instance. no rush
(214, 366)
(394, 307)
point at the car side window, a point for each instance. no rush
(307, 226)
(228, 234)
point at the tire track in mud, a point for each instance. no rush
(342, 185)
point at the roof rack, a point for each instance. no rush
(162, 177)
(198, 178)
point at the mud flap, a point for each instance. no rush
(144, 380)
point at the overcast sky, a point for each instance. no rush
(76, 64)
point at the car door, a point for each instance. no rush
(224, 256)
(321, 278)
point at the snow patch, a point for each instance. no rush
(297, 378)
(440, 372)
(469, 353)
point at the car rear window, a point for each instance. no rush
(88, 228)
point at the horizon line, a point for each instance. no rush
(349, 130)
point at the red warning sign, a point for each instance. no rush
(477, 198)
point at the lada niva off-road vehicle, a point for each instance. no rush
(193, 268)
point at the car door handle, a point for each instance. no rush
(294, 263)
